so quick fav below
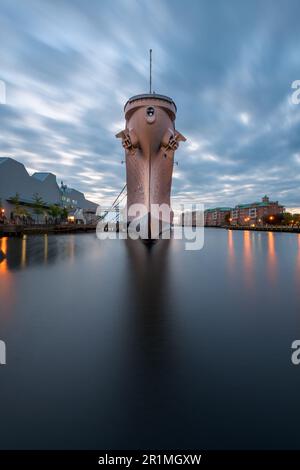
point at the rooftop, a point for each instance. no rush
(220, 209)
(253, 204)
(42, 176)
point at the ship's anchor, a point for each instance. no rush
(130, 140)
(170, 141)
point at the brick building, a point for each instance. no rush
(217, 216)
(256, 212)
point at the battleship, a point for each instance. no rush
(150, 141)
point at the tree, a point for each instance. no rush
(273, 219)
(38, 205)
(2, 214)
(54, 211)
(23, 212)
(227, 219)
(19, 210)
(64, 213)
(296, 218)
(287, 218)
(15, 200)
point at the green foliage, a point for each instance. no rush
(227, 219)
(64, 213)
(15, 200)
(54, 211)
(287, 218)
(22, 211)
(273, 219)
(18, 210)
(38, 204)
(291, 219)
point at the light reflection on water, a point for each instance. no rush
(114, 345)
(298, 260)
(248, 260)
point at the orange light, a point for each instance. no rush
(271, 217)
(71, 218)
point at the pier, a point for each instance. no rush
(263, 228)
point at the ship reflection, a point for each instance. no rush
(148, 288)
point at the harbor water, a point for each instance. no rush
(112, 345)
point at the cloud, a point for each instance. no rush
(69, 67)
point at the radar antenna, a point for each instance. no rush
(150, 71)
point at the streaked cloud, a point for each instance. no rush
(70, 65)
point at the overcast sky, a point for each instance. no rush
(69, 67)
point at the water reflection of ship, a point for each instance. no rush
(148, 285)
(148, 268)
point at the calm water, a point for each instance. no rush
(110, 345)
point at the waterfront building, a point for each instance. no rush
(256, 213)
(14, 179)
(217, 216)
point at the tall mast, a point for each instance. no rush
(150, 71)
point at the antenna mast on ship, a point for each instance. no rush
(150, 71)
